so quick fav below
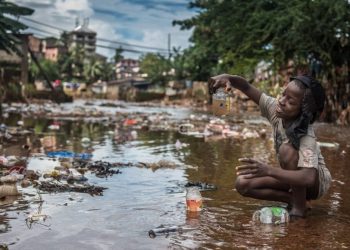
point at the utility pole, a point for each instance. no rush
(24, 62)
(169, 45)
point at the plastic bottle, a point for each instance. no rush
(221, 102)
(271, 215)
(163, 231)
(193, 199)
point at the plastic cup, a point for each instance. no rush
(193, 199)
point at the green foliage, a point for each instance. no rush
(13, 92)
(77, 57)
(29, 90)
(118, 55)
(93, 70)
(240, 33)
(156, 67)
(10, 27)
(50, 68)
(65, 62)
(107, 71)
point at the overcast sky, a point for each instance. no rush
(137, 22)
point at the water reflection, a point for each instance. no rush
(142, 198)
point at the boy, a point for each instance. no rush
(303, 174)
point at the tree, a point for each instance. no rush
(50, 68)
(78, 57)
(107, 71)
(241, 33)
(118, 55)
(178, 63)
(65, 62)
(10, 27)
(93, 70)
(156, 67)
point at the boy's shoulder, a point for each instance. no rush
(308, 140)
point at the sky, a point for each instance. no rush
(145, 23)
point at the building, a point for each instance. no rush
(35, 44)
(52, 48)
(13, 67)
(121, 88)
(84, 37)
(127, 68)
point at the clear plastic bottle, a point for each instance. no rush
(221, 102)
(193, 199)
(271, 215)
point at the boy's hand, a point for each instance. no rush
(252, 168)
(219, 81)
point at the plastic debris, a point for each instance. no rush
(193, 199)
(8, 187)
(162, 230)
(271, 215)
(101, 169)
(69, 154)
(55, 186)
(330, 145)
(203, 186)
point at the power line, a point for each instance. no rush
(43, 31)
(101, 39)
(99, 45)
(128, 50)
(127, 44)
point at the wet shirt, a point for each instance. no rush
(309, 151)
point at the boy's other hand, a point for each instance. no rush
(252, 168)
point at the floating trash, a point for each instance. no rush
(162, 230)
(54, 127)
(203, 186)
(330, 145)
(56, 186)
(68, 154)
(271, 215)
(85, 140)
(101, 169)
(193, 199)
(8, 187)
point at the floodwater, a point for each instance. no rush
(140, 199)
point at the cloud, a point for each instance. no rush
(139, 22)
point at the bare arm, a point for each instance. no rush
(302, 177)
(233, 81)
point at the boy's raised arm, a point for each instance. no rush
(233, 81)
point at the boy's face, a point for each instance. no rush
(289, 104)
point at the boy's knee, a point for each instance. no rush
(242, 186)
(288, 156)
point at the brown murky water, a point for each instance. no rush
(140, 199)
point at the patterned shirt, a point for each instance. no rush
(309, 151)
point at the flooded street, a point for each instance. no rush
(145, 196)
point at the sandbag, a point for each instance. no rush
(8, 179)
(8, 190)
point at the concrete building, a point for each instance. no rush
(127, 68)
(35, 44)
(52, 48)
(84, 37)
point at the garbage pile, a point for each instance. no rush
(198, 125)
(57, 186)
(101, 169)
(69, 176)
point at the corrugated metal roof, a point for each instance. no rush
(10, 58)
